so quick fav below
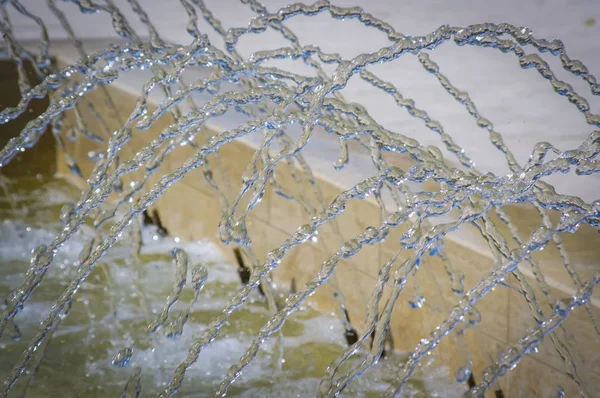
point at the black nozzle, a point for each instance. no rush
(243, 270)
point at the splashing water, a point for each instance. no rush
(287, 108)
(103, 342)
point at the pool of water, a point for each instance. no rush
(122, 296)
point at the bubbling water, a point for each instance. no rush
(274, 100)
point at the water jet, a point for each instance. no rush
(224, 208)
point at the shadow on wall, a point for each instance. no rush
(41, 159)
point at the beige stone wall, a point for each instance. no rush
(191, 210)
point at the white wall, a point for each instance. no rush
(519, 102)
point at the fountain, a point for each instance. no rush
(402, 270)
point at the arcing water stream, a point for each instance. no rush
(275, 102)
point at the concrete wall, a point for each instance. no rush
(522, 105)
